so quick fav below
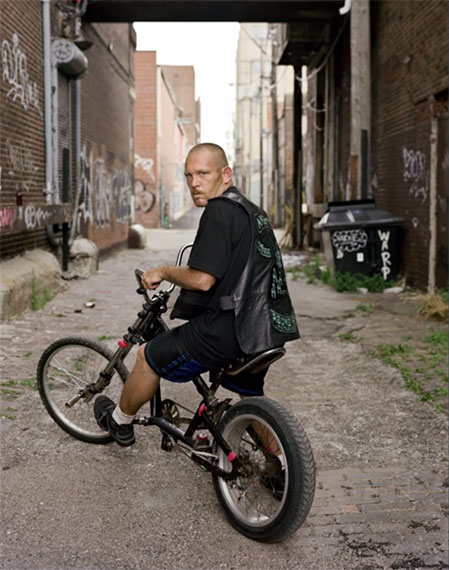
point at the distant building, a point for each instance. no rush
(166, 126)
(262, 91)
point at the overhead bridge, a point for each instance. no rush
(211, 10)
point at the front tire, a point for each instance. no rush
(274, 494)
(66, 367)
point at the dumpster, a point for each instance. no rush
(359, 238)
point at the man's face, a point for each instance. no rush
(204, 178)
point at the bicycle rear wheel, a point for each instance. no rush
(66, 367)
(274, 494)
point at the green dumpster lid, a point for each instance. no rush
(356, 213)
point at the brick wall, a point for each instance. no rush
(409, 65)
(170, 149)
(22, 143)
(146, 158)
(182, 80)
(106, 135)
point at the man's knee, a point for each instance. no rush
(141, 354)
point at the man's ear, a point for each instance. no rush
(227, 174)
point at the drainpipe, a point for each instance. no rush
(433, 205)
(47, 98)
(78, 158)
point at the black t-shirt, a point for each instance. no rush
(221, 248)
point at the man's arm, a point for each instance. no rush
(185, 277)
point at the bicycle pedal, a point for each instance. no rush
(166, 443)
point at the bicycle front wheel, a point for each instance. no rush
(65, 368)
(273, 495)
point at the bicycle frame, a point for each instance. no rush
(148, 324)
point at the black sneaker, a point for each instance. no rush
(122, 434)
(273, 477)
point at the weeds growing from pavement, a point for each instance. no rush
(105, 337)
(341, 281)
(352, 282)
(348, 336)
(13, 389)
(366, 308)
(9, 414)
(425, 369)
(39, 298)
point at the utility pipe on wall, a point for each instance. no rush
(433, 204)
(47, 98)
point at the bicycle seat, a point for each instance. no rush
(253, 364)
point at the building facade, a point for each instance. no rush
(167, 125)
(371, 113)
(66, 100)
(262, 91)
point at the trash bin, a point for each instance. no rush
(359, 238)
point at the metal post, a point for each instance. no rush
(261, 133)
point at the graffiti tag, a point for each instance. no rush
(145, 164)
(385, 254)
(15, 72)
(349, 240)
(106, 191)
(20, 158)
(415, 173)
(35, 217)
(7, 218)
(145, 199)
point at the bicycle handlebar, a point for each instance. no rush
(139, 272)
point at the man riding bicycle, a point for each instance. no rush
(233, 295)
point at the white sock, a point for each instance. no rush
(120, 418)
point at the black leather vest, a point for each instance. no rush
(264, 315)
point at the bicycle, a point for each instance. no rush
(259, 456)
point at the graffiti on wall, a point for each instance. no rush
(146, 164)
(8, 217)
(20, 165)
(416, 173)
(32, 217)
(15, 73)
(145, 199)
(103, 192)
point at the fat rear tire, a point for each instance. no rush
(262, 504)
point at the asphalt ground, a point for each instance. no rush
(381, 454)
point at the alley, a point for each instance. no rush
(381, 499)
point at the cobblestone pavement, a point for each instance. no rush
(381, 500)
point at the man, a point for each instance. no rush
(222, 261)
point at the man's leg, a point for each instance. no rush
(140, 387)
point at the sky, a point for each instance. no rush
(211, 48)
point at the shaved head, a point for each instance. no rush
(217, 153)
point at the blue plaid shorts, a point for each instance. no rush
(167, 355)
